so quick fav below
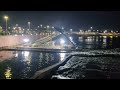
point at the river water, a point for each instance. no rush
(24, 64)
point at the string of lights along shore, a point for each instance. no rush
(37, 29)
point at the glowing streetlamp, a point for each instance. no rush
(6, 19)
(29, 25)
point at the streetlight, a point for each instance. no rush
(29, 25)
(6, 18)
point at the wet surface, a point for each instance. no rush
(89, 68)
(24, 64)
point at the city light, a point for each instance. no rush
(70, 38)
(41, 25)
(62, 28)
(48, 26)
(26, 53)
(16, 55)
(62, 41)
(52, 27)
(26, 40)
(6, 17)
(71, 30)
(62, 56)
(91, 27)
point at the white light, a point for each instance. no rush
(41, 25)
(62, 41)
(104, 36)
(22, 34)
(26, 53)
(16, 55)
(70, 38)
(52, 27)
(15, 34)
(28, 22)
(22, 52)
(71, 30)
(62, 27)
(26, 40)
(91, 27)
(48, 26)
(62, 56)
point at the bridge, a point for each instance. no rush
(46, 44)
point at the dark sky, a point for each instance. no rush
(68, 19)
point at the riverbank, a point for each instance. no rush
(84, 65)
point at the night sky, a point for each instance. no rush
(67, 19)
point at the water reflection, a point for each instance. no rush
(62, 56)
(97, 42)
(8, 73)
(16, 55)
(24, 64)
(26, 54)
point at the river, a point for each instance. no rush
(24, 64)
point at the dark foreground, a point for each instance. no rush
(94, 64)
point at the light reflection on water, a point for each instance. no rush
(97, 42)
(8, 73)
(24, 64)
(62, 56)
